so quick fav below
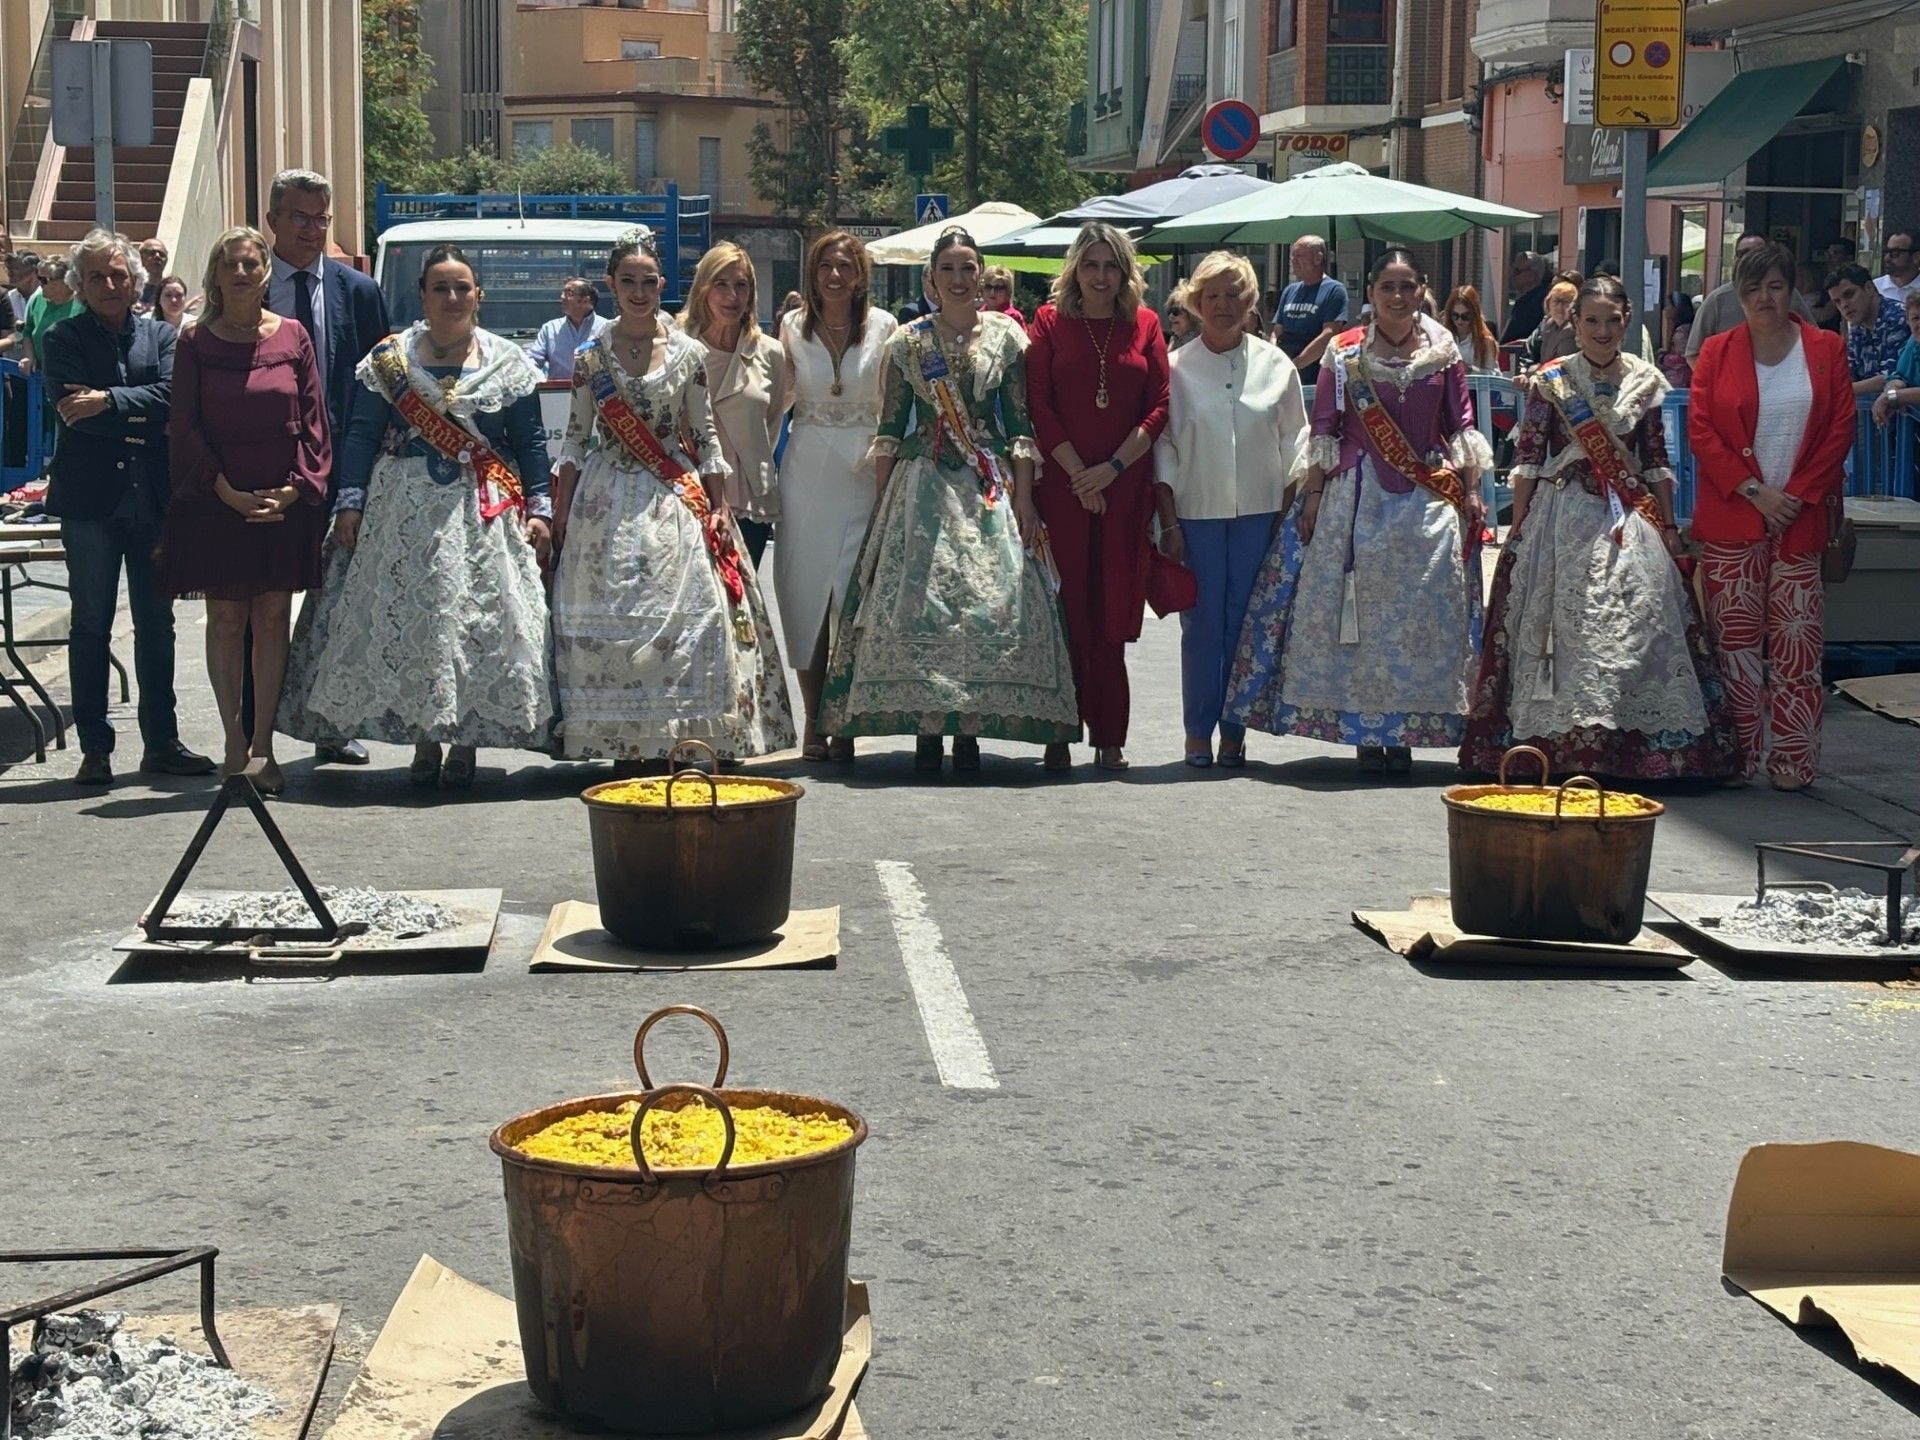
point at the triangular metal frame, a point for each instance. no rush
(239, 787)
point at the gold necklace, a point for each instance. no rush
(1100, 396)
(835, 353)
(637, 349)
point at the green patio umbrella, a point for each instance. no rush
(1339, 202)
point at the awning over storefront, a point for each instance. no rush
(1753, 109)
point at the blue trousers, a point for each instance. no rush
(1225, 557)
(96, 549)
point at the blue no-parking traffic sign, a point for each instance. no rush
(1230, 129)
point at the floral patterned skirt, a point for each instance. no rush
(948, 627)
(1391, 567)
(1596, 653)
(648, 651)
(433, 628)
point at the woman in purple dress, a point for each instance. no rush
(250, 454)
(1364, 626)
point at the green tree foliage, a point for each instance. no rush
(1004, 74)
(790, 49)
(566, 170)
(396, 75)
(472, 172)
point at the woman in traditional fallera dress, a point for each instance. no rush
(1595, 650)
(431, 626)
(660, 634)
(1364, 624)
(836, 343)
(952, 623)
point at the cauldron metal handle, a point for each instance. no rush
(648, 1101)
(1536, 752)
(1560, 794)
(640, 1041)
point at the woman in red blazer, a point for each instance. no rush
(1771, 419)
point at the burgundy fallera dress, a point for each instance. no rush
(255, 412)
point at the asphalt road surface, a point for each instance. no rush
(1205, 1159)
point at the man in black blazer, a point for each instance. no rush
(111, 373)
(344, 314)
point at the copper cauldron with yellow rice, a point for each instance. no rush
(680, 1254)
(1549, 862)
(694, 861)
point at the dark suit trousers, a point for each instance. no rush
(96, 550)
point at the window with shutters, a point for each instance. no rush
(646, 149)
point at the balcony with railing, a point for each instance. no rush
(669, 75)
(1529, 32)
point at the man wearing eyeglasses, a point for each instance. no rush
(1902, 268)
(345, 317)
(552, 350)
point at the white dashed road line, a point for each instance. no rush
(959, 1052)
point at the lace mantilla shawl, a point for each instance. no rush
(1642, 388)
(1002, 342)
(502, 377)
(1437, 351)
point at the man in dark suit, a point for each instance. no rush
(344, 313)
(112, 374)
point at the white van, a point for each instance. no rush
(521, 265)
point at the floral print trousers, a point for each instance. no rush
(1768, 614)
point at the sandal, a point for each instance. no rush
(840, 749)
(816, 749)
(966, 752)
(1057, 759)
(270, 781)
(425, 769)
(1234, 759)
(927, 754)
(1109, 757)
(457, 773)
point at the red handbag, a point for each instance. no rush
(1171, 586)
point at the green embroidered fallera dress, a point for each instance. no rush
(949, 627)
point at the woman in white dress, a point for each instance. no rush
(836, 344)
(431, 626)
(659, 631)
(747, 386)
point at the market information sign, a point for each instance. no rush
(1639, 51)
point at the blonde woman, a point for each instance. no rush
(748, 385)
(1236, 439)
(951, 626)
(1556, 338)
(836, 345)
(1097, 378)
(996, 293)
(250, 455)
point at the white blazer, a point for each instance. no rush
(1236, 433)
(748, 392)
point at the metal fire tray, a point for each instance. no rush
(1702, 914)
(476, 915)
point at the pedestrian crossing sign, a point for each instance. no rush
(927, 209)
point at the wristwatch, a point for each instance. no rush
(1119, 465)
(1749, 489)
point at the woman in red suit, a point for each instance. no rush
(1771, 419)
(1097, 385)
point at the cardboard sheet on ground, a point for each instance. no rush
(1425, 932)
(1895, 696)
(1829, 1234)
(283, 1351)
(575, 940)
(447, 1367)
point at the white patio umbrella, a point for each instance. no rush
(985, 222)
(1339, 202)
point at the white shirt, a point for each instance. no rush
(1236, 430)
(1786, 400)
(18, 303)
(1892, 289)
(280, 298)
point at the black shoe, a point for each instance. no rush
(172, 758)
(1399, 760)
(347, 752)
(95, 770)
(966, 753)
(927, 753)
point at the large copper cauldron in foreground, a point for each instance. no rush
(1547, 877)
(679, 1301)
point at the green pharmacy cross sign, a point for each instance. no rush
(918, 143)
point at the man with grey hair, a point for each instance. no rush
(1312, 309)
(110, 373)
(345, 317)
(1528, 281)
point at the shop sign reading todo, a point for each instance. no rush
(1297, 154)
(1639, 52)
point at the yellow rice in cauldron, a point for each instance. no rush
(731, 789)
(1579, 803)
(685, 1139)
